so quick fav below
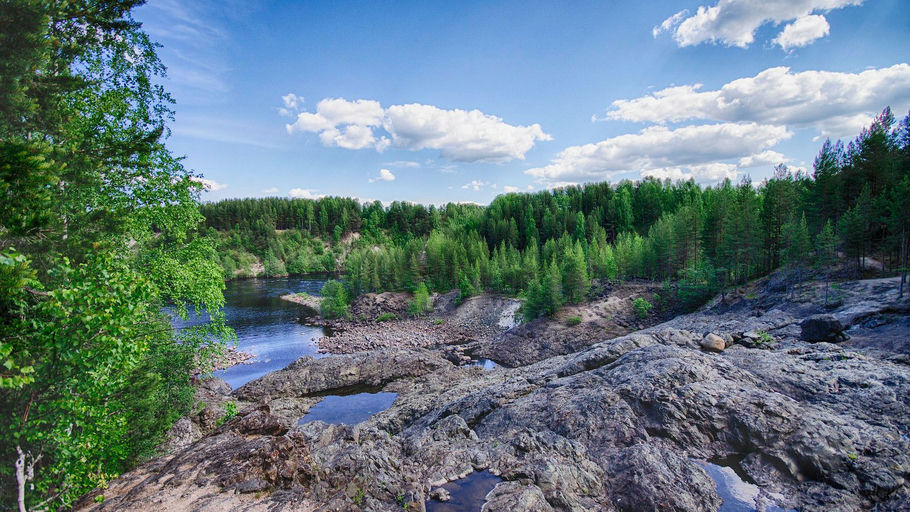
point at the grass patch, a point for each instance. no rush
(572, 321)
(386, 317)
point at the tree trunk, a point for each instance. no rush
(24, 473)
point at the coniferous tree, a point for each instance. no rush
(826, 253)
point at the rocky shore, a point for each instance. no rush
(625, 423)
(230, 357)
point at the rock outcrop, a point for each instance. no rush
(624, 424)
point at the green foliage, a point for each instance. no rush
(386, 317)
(334, 302)
(642, 307)
(572, 321)
(421, 303)
(104, 224)
(359, 494)
(230, 411)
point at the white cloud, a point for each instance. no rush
(270, 190)
(508, 189)
(704, 173)
(734, 22)
(837, 104)
(803, 31)
(338, 111)
(384, 175)
(208, 185)
(292, 101)
(475, 185)
(764, 158)
(702, 152)
(304, 193)
(353, 136)
(670, 22)
(292, 104)
(458, 135)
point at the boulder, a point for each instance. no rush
(440, 494)
(713, 343)
(818, 328)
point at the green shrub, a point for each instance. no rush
(572, 321)
(421, 303)
(642, 307)
(334, 302)
(385, 317)
(230, 410)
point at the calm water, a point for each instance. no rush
(737, 494)
(266, 326)
(486, 364)
(349, 409)
(468, 493)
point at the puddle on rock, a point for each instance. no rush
(486, 364)
(349, 409)
(468, 494)
(736, 489)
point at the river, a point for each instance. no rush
(266, 326)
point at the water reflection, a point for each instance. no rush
(738, 495)
(349, 409)
(486, 364)
(468, 494)
(266, 326)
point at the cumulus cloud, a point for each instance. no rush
(837, 104)
(702, 152)
(509, 189)
(304, 193)
(459, 135)
(270, 190)
(384, 175)
(764, 158)
(803, 31)
(734, 22)
(208, 185)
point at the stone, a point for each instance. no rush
(440, 494)
(713, 343)
(818, 328)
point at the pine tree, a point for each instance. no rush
(796, 246)
(575, 281)
(826, 253)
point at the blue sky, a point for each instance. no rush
(434, 102)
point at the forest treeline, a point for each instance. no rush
(549, 245)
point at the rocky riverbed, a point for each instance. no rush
(624, 423)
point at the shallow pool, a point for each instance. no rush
(349, 409)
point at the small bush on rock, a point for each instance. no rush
(642, 307)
